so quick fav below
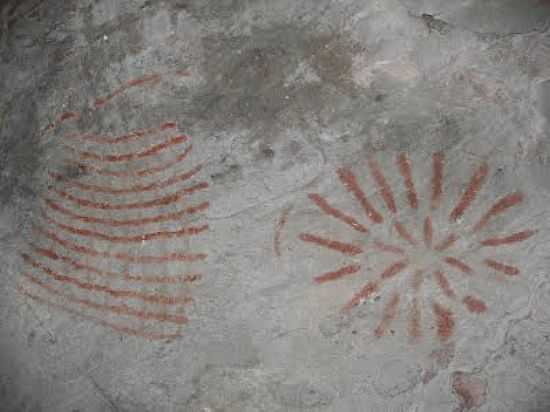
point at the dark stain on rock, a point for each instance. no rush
(435, 24)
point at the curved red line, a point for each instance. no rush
(155, 77)
(136, 134)
(500, 206)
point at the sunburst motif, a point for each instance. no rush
(437, 260)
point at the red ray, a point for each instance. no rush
(337, 274)
(394, 269)
(516, 237)
(501, 267)
(388, 248)
(500, 206)
(417, 280)
(370, 288)
(404, 233)
(444, 321)
(350, 182)
(474, 305)
(414, 319)
(443, 284)
(279, 230)
(135, 134)
(382, 184)
(470, 193)
(332, 211)
(437, 179)
(150, 78)
(446, 243)
(460, 265)
(389, 314)
(428, 232)
(405, 170)
(345, 248)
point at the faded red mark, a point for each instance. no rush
(279, 230)
(383, 247)
(417, 280)
(444, 321)
(443, 284)
(500, 206)
(350, 182)
(514, 238)
(118, 328)
(127, 222)
(370, 288)
(470, 389)
(337, 274)
(428, 232)
(152, 78)
(437, 179)
(332, 211)
(474, 305)
(414, 321)
(345, 248)
(460, 265)
(68, 115)
(133, 135)
(394, 269)
(161, 201)
(404, 233)
(383, 186)
(470, 193)
(405, 170)
(388, 315)
(446, 243)
(501, 267)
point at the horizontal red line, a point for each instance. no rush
(463, 267)
(171, 257)
(162, 235)
(132, 189)
(501, 267)
(118, 328)
(345, 248)
(162, 201)
(337, 274)
(136, 134)
(122, 309)
(332, 211)
(50, 254)
(116, 293)
(516, 237)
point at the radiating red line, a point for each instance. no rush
(350, 182)
(383, 186)
(132, 189)
(151, 78)
(428, 232)
(404, 233)
(394, 269)
(131, 156)
(443, 284)
(161, 235)
(50, 254)
(87, 168)
(405, 170)
(332, 211)
(370, 288)
(415, 316)
(135, 134)
(337, 274)
(388, 315)
(388, 248)
(463, 267)
(444, 321)
(128, 222)
(121, 309)
(417, 280)
(171, 257)
(116, 293)
(279, 230)
(513, 238)
(345, 248)
(118, 328)
(474, 305)
(500, 206)
(470, 193)
(446, 243)
(437, 179)
(501, 267)
(162, 201)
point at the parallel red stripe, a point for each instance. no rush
(446, 243)
(383, 186)
(500, 206)
(501, 267)
(345, 248)
(350, 182)
(404, 233)
(514, 238)
(437, 179)
(133, 135)
(332, 211)
(337, 274)
(463, 267)
(444, 320)
(370, 288)
(405, 170)
(470, 193)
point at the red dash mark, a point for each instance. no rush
(404, 233)
(152, 78)
(500, 206)
(337, 274)
(414, 318)
(350, 182)
(118, 328)
(67, 116)
(428, 232)
(163, 201)
(474, 305)
(405, 170)
(443, 284)
(279, 230)
(446, 243)
(501, 267)
(383, 247)
(370, 288)
(382, 184)
(516, 237)
(117, 309)
(394, 269)
(345, 248)
(389, 314)
(444, 320)
(463, 267)
(471, 192)
(437, 179)
(332, 211)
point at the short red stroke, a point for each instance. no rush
(474, 305)
(414, 318)
(404, 233)
(394, 269)
(388, 315)
(513, 238)
(443, 284)
(470, 193)
(337, 214)
(437, 179)
(500, 206)
(382, 184)
(458, 264)
(501, 267)
(444, 321)
(342, 247)
(446, 243)
(141, 81)
(279, 230)
(370, 288)
(428, 232)
(405, 171)
(337, 274)
(349, 180)
(384, 247)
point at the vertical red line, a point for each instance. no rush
(470, 193)
(389, 314)
(405, 170)
(428, 232)
(437, 179)
(415, 317)
(382, 184)
(444, 320)
(279, 229)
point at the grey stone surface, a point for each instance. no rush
(283, 104)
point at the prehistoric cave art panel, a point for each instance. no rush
(113, 242)
(422, 246)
